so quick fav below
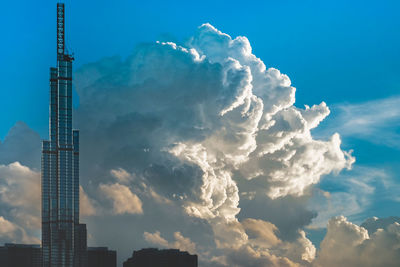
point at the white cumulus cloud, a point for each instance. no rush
(86, 206)
(197, 123)
(347, 244)
(124, 201)
(20, 195)
(181, 242)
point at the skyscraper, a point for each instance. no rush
(63, 238)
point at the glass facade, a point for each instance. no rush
(63, 244)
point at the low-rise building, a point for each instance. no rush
(17, 255)
(161, 258)
(101, 257)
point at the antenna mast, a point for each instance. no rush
(60, 30)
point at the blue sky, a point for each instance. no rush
(345, 53)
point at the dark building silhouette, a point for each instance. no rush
(101, 257)
(80, 238)
(18, 255)
(161, 258)
(63, 237)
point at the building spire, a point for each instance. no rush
(60, 30)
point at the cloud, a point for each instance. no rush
(254, 240)
(374, 224)
(219, 193)
(138, 184)
(181, 242)
(124, 201)
(257, 242)
(86, 206)
(234, 114)
(184, 243)
(121, 175)
(280, 150)
(246, 256)
(156, 239)
(347, 244)
(262, 237)
(375, 121)
(7, 228)
(21, 144)
(263, 232)
(302, 250)
(278, 211)
(10, 232)
(20, 195)
(196, 124)
(19, 204)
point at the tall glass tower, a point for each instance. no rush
(63, 238)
